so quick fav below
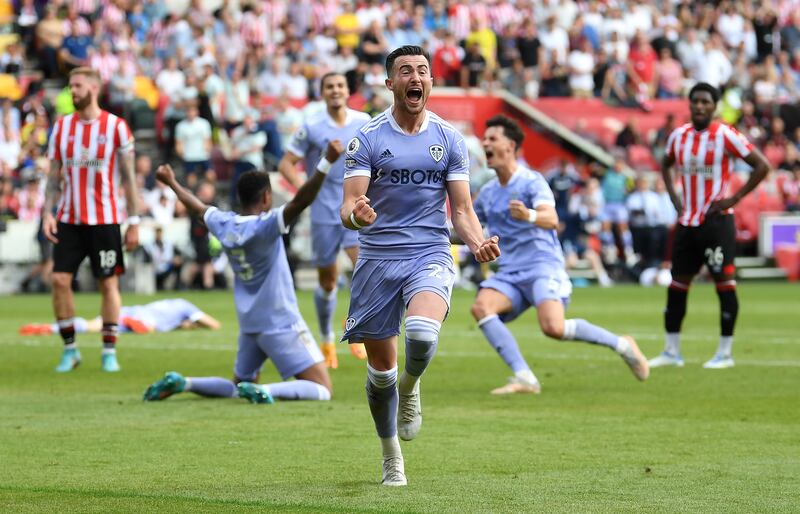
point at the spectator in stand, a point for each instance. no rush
(668, 75)
(247, 152)
(30, 198)
(104, 61)
(12, 60)
(629, 135)
(554, 76)
(75, 50)
(166, 260)
(49, 38)
(615, 214)
(563, 181)
(791, 189)
(373, 46)
(447, 62)
(641, 67)
(581, 65)
(645, 226)
(555, 41)
(202, 266)
(347, 27)
(296, 82)
(193, 146)
(486, 40)
(474, 68)
(287, 118)
(236, 99)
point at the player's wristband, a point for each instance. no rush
(324, 166)
(354, 222)
(134, 220)
(532, 215)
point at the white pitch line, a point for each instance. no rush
(142, 345)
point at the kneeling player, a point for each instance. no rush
(270, 323)
(518, 206)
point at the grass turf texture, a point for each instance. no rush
(596, 440)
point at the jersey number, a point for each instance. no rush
(108, 258)
(714, 256)
(245, 271)
(436, 271)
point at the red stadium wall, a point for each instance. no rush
(539, 151)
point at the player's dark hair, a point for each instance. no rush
(251, 187)
(511, 128)
(405, 50)
(708, 88)
(329, 75)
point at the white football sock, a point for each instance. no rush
(725, 346)
(673, 344)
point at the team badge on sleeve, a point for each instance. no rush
(437, 152)
(353, 145)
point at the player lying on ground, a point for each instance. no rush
(398, 171)
(703, 152)
(270, 324)
(328, 236)
(518, 206)
(160, 316)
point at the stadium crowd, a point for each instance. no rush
(226, 83)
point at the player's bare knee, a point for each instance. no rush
(480, 310)
(62, 281)
(552, 328)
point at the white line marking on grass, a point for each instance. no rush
(142, 345)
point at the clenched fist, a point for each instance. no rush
(363, 213)
(165, 174)
(489, 250)
(333, 150)
(518, 210)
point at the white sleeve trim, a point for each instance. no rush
(358, 173)
(282, 227)
(196, 316)
(293, 149)
(464, 177)
(207, 213)
(551, 203)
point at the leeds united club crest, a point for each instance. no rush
(437, 152)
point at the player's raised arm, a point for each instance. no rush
(308, 192)
(51, 194)
(166, 176)
(466, 224)
(288, 168)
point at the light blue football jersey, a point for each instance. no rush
(309, 141)
(408, 175)
(263, 290)
(521, 243)
(164, 315)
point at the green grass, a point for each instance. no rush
(596, 440)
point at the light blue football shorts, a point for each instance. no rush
(327, 240)
(382, 289)
(525, 288)
(292, 351)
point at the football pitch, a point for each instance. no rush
(595, 440)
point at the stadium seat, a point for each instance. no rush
(145, 88)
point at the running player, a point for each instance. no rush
(398, 170)
(703, 153)
(90, 151)
(159, 316)
(519, 206)
(270, 324)
(328, 236)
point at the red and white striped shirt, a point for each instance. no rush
(705, 160)
(88, 153)
(501, 14)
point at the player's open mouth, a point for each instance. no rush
(489, 154)
(414, 94)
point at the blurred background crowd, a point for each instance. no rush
(218, 87)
